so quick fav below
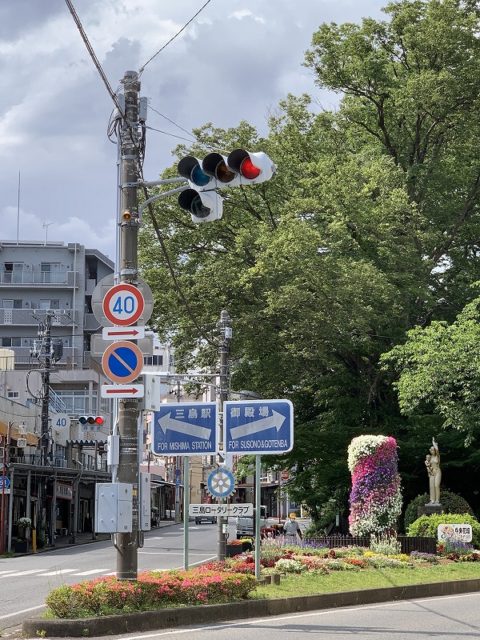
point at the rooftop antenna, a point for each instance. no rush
(18, 210)
(45, 225)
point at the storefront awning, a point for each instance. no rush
(16, 432)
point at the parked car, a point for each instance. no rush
(205, 518)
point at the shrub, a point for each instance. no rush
(451, 503)
(375, 498)
(289, 566)
(152, 590)
(387, 545)
(427, 525)
(424, 557)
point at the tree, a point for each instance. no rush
(368, 229)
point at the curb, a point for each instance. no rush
(183, 616)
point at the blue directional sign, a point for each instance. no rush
(185, 429)
(258, 426)
(4, 483)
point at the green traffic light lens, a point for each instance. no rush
(198, 208)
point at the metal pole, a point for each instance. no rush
(186, 508)
(258, 500)
(128, 411)
(225, 329)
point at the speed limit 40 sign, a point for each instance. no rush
(123, 304)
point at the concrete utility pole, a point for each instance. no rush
(225, 329)
(46, 334)
(127, 543)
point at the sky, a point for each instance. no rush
(234, 62)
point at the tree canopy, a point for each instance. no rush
(369, 228)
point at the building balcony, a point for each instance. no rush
(35, 277)
(26, 317)
(71, 356)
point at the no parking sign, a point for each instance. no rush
(122, 362)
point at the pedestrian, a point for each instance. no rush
(292, 530)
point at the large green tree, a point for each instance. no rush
(369, 228)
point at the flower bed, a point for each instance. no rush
(152, 590)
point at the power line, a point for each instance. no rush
(172, 135)
(170, 120)
(141, 70)
(93, 55)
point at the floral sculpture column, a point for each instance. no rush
(375, 499)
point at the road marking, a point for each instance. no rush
(89, 573)
(22, 573)
(58, 572)
(17, 613)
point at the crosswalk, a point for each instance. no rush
(41, 573)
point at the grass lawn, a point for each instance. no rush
(310, 584)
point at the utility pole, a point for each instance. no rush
(225, 330)
(128, 412)
(45, 334)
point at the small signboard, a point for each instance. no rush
(123, 333)
(122, 390)
(226, 510)
(454, 533)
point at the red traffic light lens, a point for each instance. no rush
(99, 420)
(249, 170)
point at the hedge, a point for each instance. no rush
(451, 503)
(427, 525)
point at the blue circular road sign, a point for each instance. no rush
(122, 362)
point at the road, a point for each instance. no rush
(26, 580)
(446, 618)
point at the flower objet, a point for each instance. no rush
(375, 498)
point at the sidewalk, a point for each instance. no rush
(62, 542)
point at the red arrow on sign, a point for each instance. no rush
(132, 390)
(127, 333)
(122, 390)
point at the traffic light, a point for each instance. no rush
(98, 420)
(216, 171)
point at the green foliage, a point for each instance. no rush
(427, 525)
(387, 545)
(152, 590)
(451, 503)
(368, 229)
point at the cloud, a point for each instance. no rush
(234, 62)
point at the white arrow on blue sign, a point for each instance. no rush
(261, 427)
(185, 429)
(4, 482)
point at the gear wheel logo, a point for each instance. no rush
(221, 483)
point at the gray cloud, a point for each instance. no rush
(236, 62)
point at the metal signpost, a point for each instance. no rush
(260, 427)
(185, 429)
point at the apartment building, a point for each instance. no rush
(40, 279)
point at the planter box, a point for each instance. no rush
(233, 550)
(20, 546)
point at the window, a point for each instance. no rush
(13, 271)
(49, 271)
(12, 304)
(12, 394)
(49, 304)
(11, 342)
(156, 361)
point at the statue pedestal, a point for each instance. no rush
(429, 509)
